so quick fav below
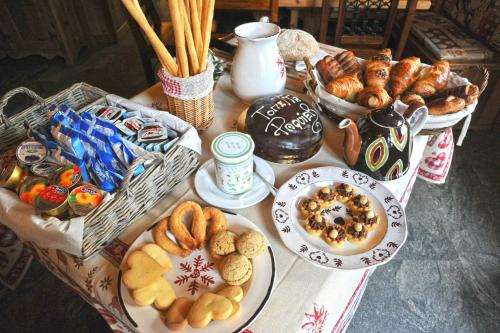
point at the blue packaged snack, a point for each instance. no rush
(68, 138)
(104, 179)
(109, 161)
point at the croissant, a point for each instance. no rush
(445, 105)
(412, 98)
(333, 67)
(468, 92)
(377, 69)
(374, 97)
(432, 79)
(403, 75)
(346, 87)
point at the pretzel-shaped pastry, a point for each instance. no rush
(198, 225)
(161, 238)
(219, 221)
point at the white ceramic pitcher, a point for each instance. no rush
(258, 69)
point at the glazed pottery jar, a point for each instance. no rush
(233, 155)
(258, 69)
(380, 144)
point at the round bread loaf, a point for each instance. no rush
(296, 44)
(285, 129)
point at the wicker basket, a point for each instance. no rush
(136, 195)
(190, 99)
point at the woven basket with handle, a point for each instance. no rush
(136, 195)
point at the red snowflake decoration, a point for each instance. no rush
(281, 65)
(316, 320)
(197, 270)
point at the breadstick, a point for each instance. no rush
(208, 31)
(166, 60)
(193, 58)
(199, 5)
(203, 20)
(180, 42)
(188, 9)
(195, 25)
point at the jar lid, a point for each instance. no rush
(387, 117)
(232, 147)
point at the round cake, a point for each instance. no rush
(285, 129)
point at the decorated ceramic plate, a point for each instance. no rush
(382, 243)
(197, 274)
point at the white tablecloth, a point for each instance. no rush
(305, 299)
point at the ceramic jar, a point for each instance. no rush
(258, 69)
(233, 155)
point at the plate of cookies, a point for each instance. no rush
(339, 218)
(214, 276)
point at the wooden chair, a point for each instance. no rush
(366, 25)
(270, 6)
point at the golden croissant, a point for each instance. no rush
(432, 79)
(377, 69)
(403, 75)
(346, 87)
(374, 97)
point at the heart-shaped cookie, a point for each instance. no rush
(143, 270)
(158, 254)
(232, 292)
(207, 308)
(176, 317)
(159, 293)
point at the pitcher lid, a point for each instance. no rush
(387, 117)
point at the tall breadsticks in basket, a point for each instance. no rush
(192, 25)
(164, 57)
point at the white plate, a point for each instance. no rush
(207, 189)
(382, 243)
(147, 318)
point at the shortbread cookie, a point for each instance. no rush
(232, 292)
(309, 207)
(334, 235)
(176, 317)
(356, 231)
(159, 293)
(344, 192)
(143, 270)
(222, 243)
(207, 308)
(315, 224)
(370, 219)
(158, 254)
(326, 197)
(251, 243)
(236, 269)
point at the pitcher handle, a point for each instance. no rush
(416, 115)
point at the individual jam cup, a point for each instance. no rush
(68, 176)
(44, 169)
(10, 172)
(31, 188)
(31, 152)
(83, 199)
(52, 201)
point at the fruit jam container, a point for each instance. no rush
(31, 188)
(83, 199)
(53, 201)
(31, 152)
(10, 172)
(44, 169)
(68, 176)
(233, 155)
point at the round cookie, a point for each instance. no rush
(236, 269)
(222, 243)
(251, 243)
